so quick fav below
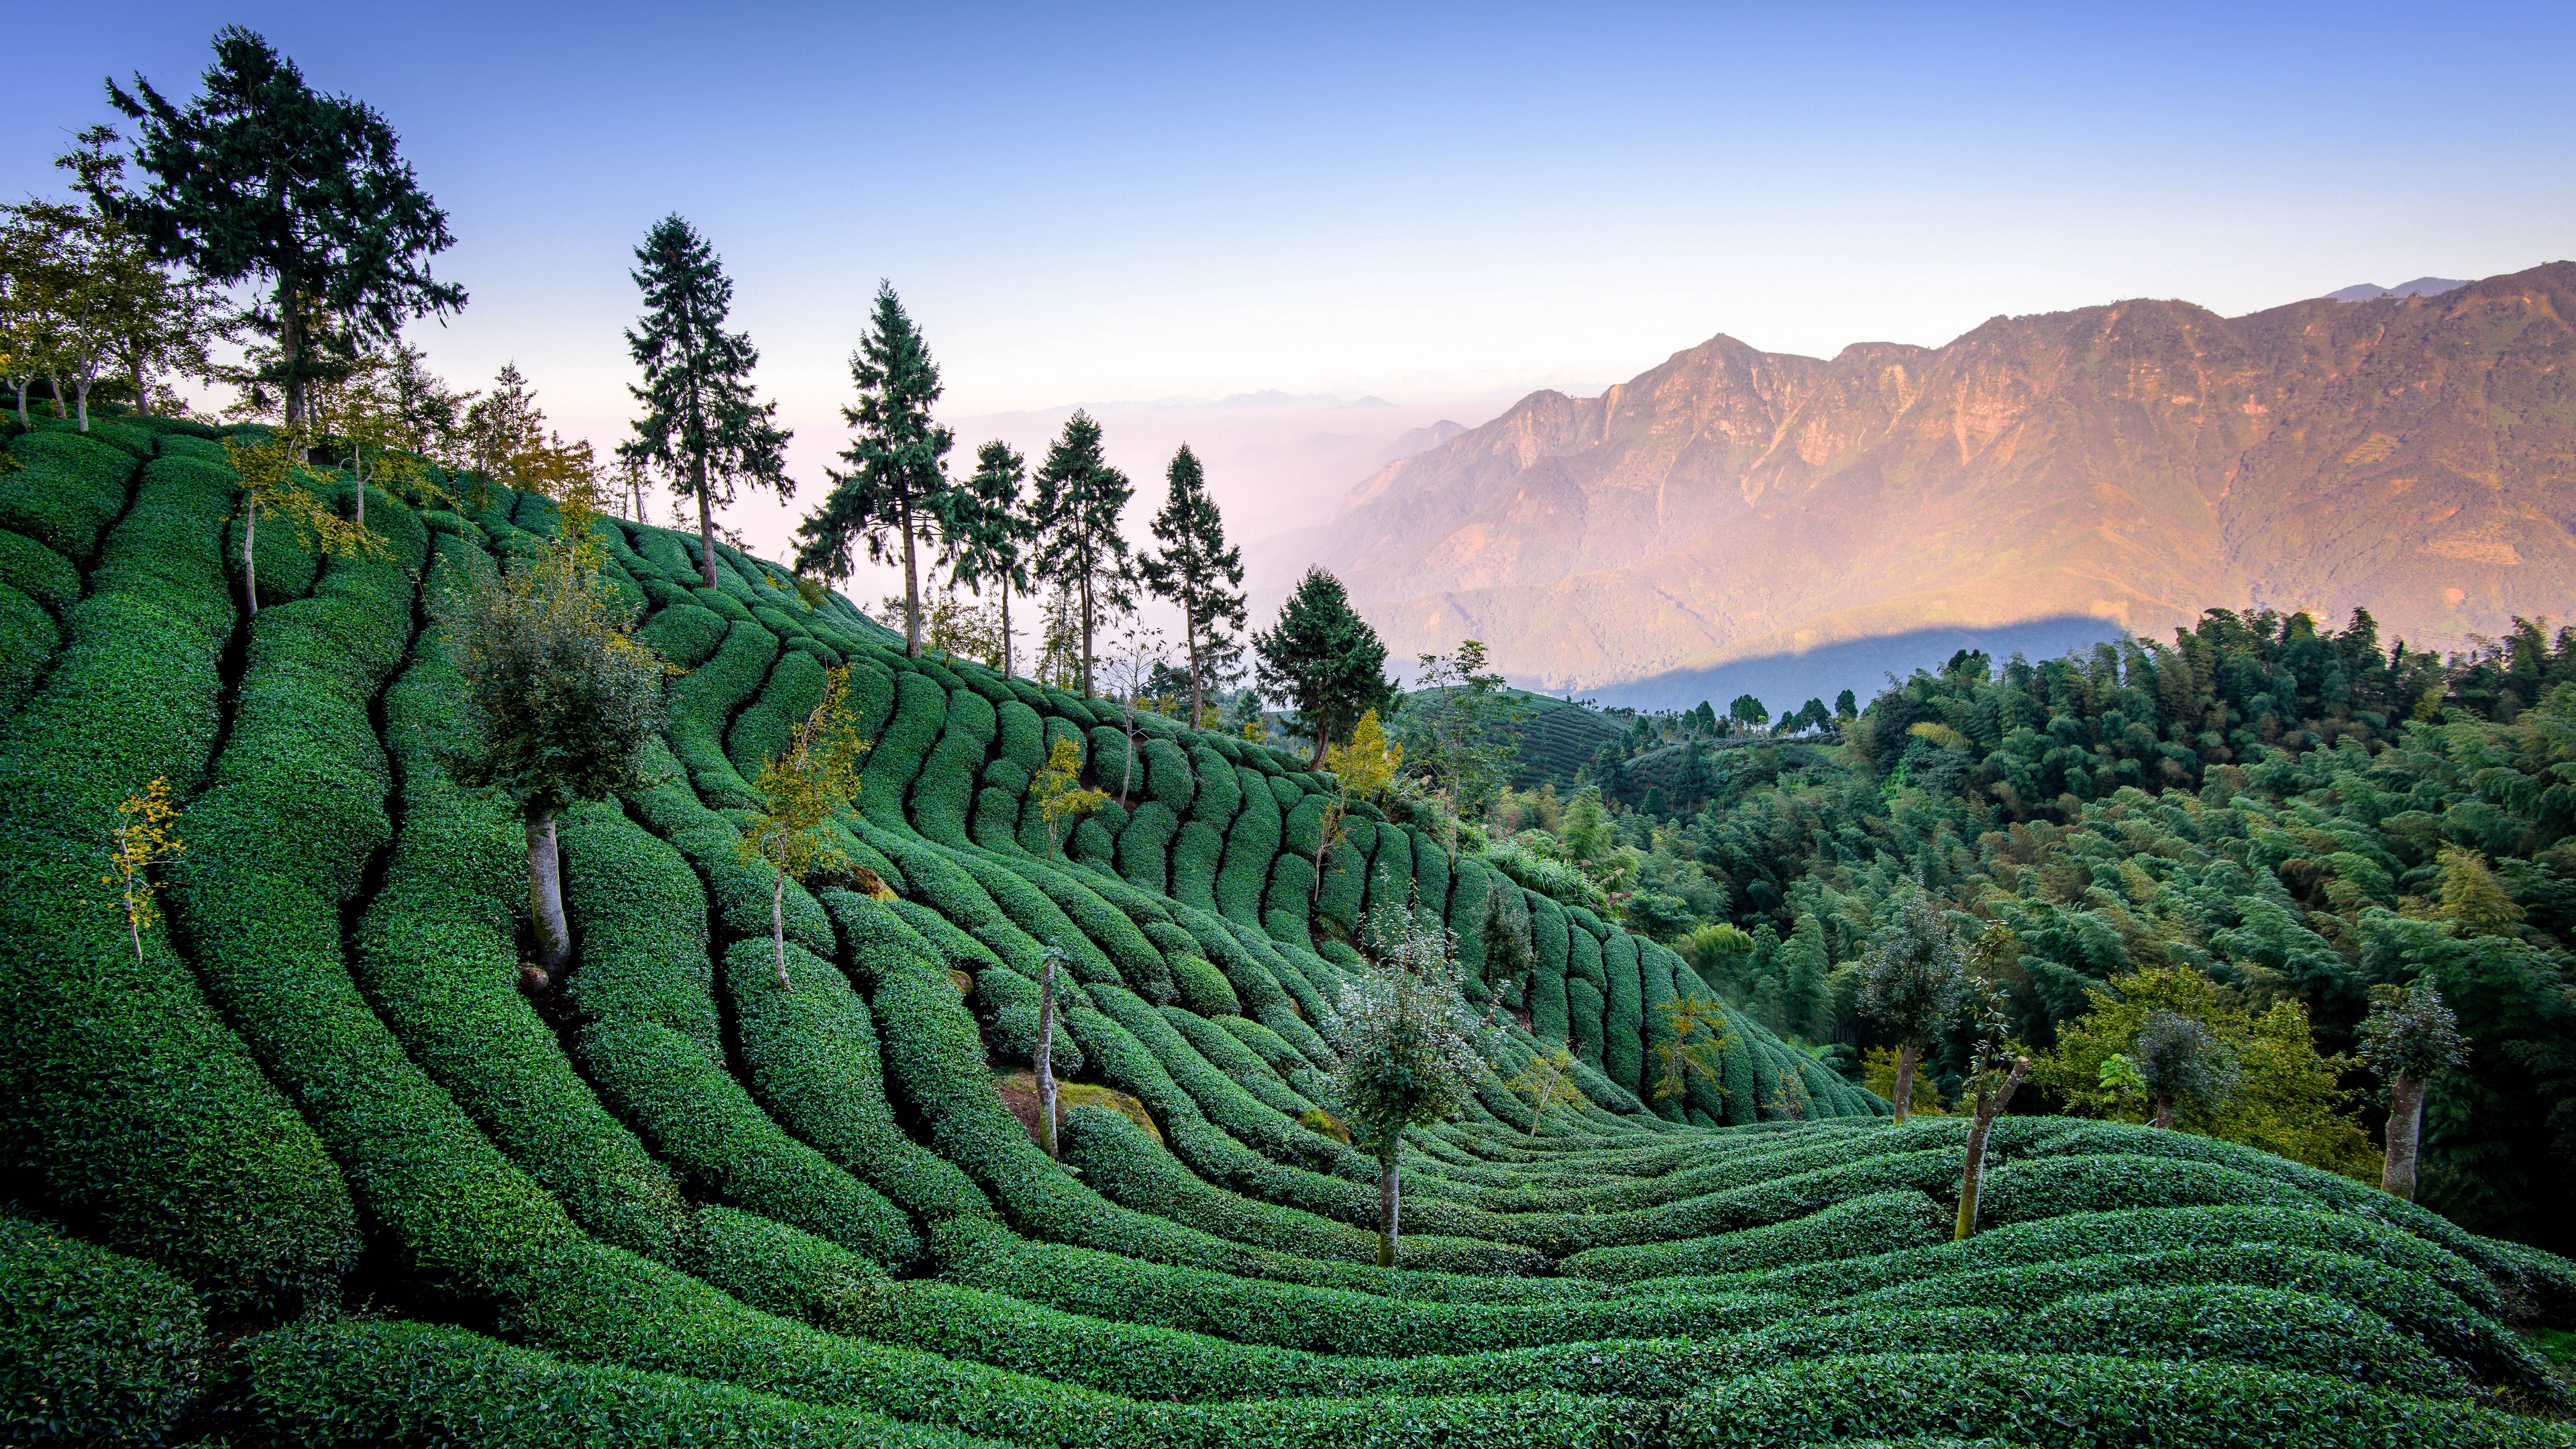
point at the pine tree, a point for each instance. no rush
(1080, 549)
(1322, 656)
(989, 532)
(898, 481)
(264, 178)
(1197, 572)
(700, 425)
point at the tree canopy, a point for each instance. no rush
(1325, 659)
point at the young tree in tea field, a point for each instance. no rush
(1408, 1049)
(1994, 1074)
(144, 839)
(1198, 572)
(2408, 1036)
(262, 178)
(1062, 801)
(2182, 1064)
(1460, 728)
(1079, 548)
(1361, 770)
(990, 533)
(1913, 981)
(1696, 1039)
(1324, 658)
(560, 699)
(802, 790)
(897, 490)
(1548, 1081)
(700, 425)
(361, 417)
(278, 484)
(1043, 1058)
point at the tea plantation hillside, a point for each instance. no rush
(316, 1171)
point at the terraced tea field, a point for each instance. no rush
(315, 1171)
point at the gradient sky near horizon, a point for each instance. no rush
(1083, 204)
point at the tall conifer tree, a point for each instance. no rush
(700, 425)
(989, 531)
(1197, 572)
(898, 487)
(1080, 549)
(1326, 659)
(263, 178)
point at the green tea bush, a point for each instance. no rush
(759, 734)
(920, 713)
(1144, 847)
(702, 704)
(1864, 1226)
(66, 491)
(95, 1348)
(945, 789)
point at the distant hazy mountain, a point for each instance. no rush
(2121, 466)
(2420, 287)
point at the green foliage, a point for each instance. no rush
(95, 1348)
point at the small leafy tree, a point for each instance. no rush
(2182, 1063)
(363, 418)
(277, 482)
(1548, 1081)
(1132, 666)
(1061, 798)
(559, 703)
(1460, 729)
(802, 790)
(1913, 981)
(1697, 1037)
(1361, 770)
(1408, 1048)
(1509, 955)
(144, 839)
(2408, 1036)
(1994, 1073)
(1043, 1059)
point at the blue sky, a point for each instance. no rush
(1423, 204)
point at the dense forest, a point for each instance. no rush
(2296, 812)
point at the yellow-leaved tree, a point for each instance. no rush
(144, 839)
(1061, 799)
(1696, 1038)
(1548, 1081)
(802, 790)
(1363, 769)
(277, 483)
(2280, 1094)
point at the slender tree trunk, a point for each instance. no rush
(778, 927)
(1546, 1086)
(142, 394)
(1044, 1057)
(80, 392)
(706, 521)
(250, 572)
(911, 587)
(22, 401)
(545, 892)
(1323, 741)
(1086, 635)
(1390, 1207)
(1190, 637)
(55, 385)
(134, 928)
(290, 353)
(1006, 626)
(361, 476)
(2164, 1113)
(1972, 1179)
(2405, 1128)
(1904, 1080)
(1127, 774)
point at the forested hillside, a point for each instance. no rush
(309, 1163)
(2296, 813)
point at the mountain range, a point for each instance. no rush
(2049, 477)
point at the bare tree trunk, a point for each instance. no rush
(80, 392)
(1546, 1087)
(1323, 741)
(2405, 1129)
(911, 588)
(1086, 636)
(290, 353)
(706, 523)
(1904, 1079)
(2164, 1113)
(1006, 626)
(250, 574)
(361, 475)
(778, 927)
(1190, 636)
(545, 892)
(1390, 1206)
(142, 394)
(1044, 1057)
(1972, 1178)
(22, 401)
